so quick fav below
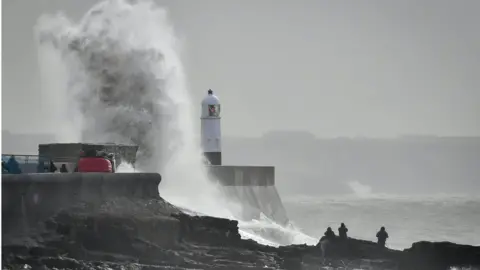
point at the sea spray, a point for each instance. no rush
(125, 167)
(268, 232)
(116, 76)
(360, 189)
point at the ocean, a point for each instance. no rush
(407, 219)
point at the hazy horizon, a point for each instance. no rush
(296, 132)
(335, 69)
(319, 167)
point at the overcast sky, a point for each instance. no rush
(334, 68)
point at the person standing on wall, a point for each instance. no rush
(13, 166)
(63, 169)
(52, 168)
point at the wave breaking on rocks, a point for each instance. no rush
(150, 233)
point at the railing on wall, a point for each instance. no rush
(40, 164)
(29, 163)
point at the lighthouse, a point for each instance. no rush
(211, 131)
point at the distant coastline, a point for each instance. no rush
(315, 166)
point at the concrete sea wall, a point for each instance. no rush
(243, 175)
(30, 198)
(253, 187)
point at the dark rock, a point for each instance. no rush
(214, 231)
(441, 255)
(152, 234)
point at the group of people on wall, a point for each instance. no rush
(89, 161)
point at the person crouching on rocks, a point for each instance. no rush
(382, 236)
(342, 231)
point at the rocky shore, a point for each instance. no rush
(153, 234)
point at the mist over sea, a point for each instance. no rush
(454, 218)
(418, 187)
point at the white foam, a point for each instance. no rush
(125, 167)
(116, 76)
(359, 189)
(267, 230)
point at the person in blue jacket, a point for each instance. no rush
(13, 166)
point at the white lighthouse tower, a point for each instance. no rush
(211, 131)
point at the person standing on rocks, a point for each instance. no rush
(342, 231)
(326, 240)
(329, 234)
(382, 236)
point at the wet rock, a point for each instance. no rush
(214, 231)
(441, 255)
(153, 234)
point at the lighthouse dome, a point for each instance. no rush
(211, 106)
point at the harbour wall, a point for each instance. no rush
(30, 198)
(253, 187)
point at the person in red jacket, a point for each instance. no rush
(93, 163)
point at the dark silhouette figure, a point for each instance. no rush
(13, 166)
(111, 157)
(63, 169)
(342, 231)
(4, 167)
(52, 168)
(329, 234)
(382, 236)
